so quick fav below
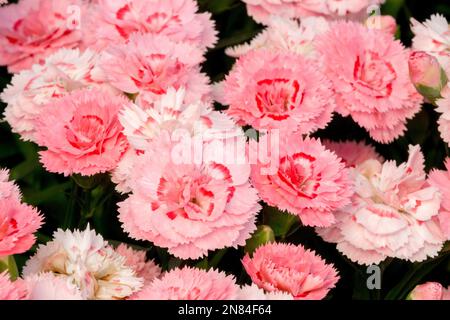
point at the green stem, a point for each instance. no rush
(9, 263)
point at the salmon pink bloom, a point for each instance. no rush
(18, 221)
(62, 73)
(393, 213)
(113, 21)
(369, 70)
(441, 180)
(186, 205)
(11, 290)
(430, 291)
(82, 133)
(191, 284)
(30, 31)
(136, 259)
(85, 259)
(310, 181)
(279, 90)
(384, 23)
(149, 65)
(293, 269)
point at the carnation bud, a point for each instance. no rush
(383, 23)
(264, 234)
(427, 291)
(427, 75)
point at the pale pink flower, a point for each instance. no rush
(292, 269)
(369, 70)
(143, 121)
(285, 34)
(11, 290)
(252, 292)
(8, 189)
(186, 205)
(430, 291)
(149, 65)
(121, 175)
(441, 180)
(85, 259)
(279, 90)
(384, 23)
(444, 108)
(310, 181)
(171, 112)
(353, 153)
(32, 30)
(137, 260)
(82, 133)
(393, 214)
(62, 72)
(262, 10)
(191, 284)
(48, 286)
(18, 221)
(433, 37)
(113, 21)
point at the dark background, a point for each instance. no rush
(62, 201)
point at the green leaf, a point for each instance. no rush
(280, 222)
(393, 7)
(8, 263)
(264, 234)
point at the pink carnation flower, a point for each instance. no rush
(310, 181)
(291, 269)
(62, 72)
(11, 290)
(191, 284)
(47, 286)
(150, 65)
(441, 180)
(82, 133)
(136, 259)
(18, 221)
(171, 112)
(353, 153)
(444, 108)
(393, 214)
(113, 21)
(275, 90)
(262, 10)
(430, 291)
(369, 70)
(189, 207)
(433, 37)
(285, 34)
(32, 30)
(86, 260)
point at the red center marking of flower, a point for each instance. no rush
(277, 97)
(375, 74)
